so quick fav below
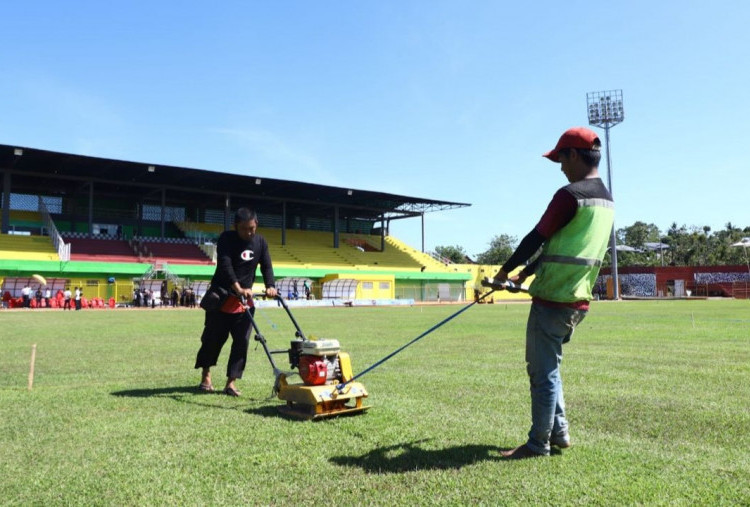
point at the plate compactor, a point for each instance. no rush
(327, 388)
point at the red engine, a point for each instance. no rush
(313, 370)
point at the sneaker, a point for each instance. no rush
(563, 442)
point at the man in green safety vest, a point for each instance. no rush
(573, 235)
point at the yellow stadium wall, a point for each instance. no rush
(369, 286)
(480, 271)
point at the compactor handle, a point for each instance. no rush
(300, 334)
(506, 285)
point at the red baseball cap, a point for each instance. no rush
(576, 137)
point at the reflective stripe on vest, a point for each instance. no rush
(572, 260)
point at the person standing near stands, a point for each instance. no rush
(163, 294)
(78, 294)
(38, 296)
(66, 298)
(26, 296)
(239, 252)
(47, 296)
(573, 233)
(306, 287)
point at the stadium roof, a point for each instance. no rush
(36, 172)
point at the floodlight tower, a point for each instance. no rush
(605, 111)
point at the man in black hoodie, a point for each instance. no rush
(238, 254)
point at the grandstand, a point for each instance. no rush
(23, 222)
(101, 250)
(173, 253)
(27, 248)
(92, 220)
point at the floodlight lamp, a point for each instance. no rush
(349, 192)
(605, 108)
(17, 152)
(257, 181)
(151, 169)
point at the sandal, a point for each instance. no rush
(231, 391)
(206, 387)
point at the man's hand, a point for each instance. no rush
(500, 278)
(271, 292)
(519, 278)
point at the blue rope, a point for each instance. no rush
(386, 358)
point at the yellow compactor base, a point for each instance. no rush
(318, 402)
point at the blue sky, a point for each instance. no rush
(451, 100)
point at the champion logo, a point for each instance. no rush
(247, 255)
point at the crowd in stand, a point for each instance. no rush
(64, 299)
(721, 277)
(67, 299)
(644, 284)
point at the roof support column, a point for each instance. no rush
(163, 210)
(6, 202)
(382, 233)
(227, 212)
(91, 208)
(283, 223)
(422, 215)
(335, 226)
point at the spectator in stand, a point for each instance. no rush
(67, 295)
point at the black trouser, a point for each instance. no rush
(216, 329)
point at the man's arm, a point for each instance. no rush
(225, 275)
(529, 245)
(266, 271)
(561, 210)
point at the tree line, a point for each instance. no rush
(677, 246)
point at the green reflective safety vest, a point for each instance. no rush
(571, 258)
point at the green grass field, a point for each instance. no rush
(658, 398)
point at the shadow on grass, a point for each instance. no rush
(193, 395)
(265, 411)
(410, 456)
(161, 391)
